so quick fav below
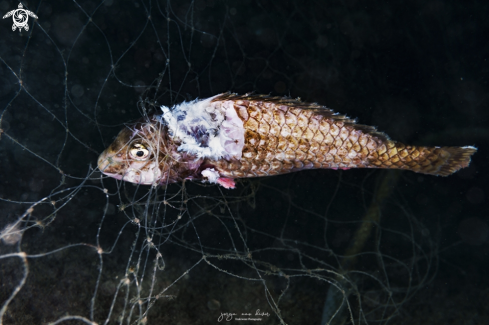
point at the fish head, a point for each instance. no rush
(136, 155)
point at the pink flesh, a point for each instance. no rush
(226, 182)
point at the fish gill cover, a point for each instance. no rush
(311, 247)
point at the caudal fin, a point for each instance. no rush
(457, 158)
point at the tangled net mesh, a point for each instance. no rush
(77, 247)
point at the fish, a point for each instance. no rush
(231, 136)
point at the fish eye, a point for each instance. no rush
(139, 152)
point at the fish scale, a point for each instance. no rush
(285, 135)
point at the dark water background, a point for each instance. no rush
(416, 69)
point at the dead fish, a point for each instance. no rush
(231, 136)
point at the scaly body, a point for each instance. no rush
(232, 136)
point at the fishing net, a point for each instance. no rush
(311, 247)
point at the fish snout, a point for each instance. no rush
(103, 162)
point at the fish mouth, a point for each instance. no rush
(108, 166)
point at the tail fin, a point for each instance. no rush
(457, 158)
(439, 161)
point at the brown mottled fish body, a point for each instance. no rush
(286, 135)
(231, 136)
